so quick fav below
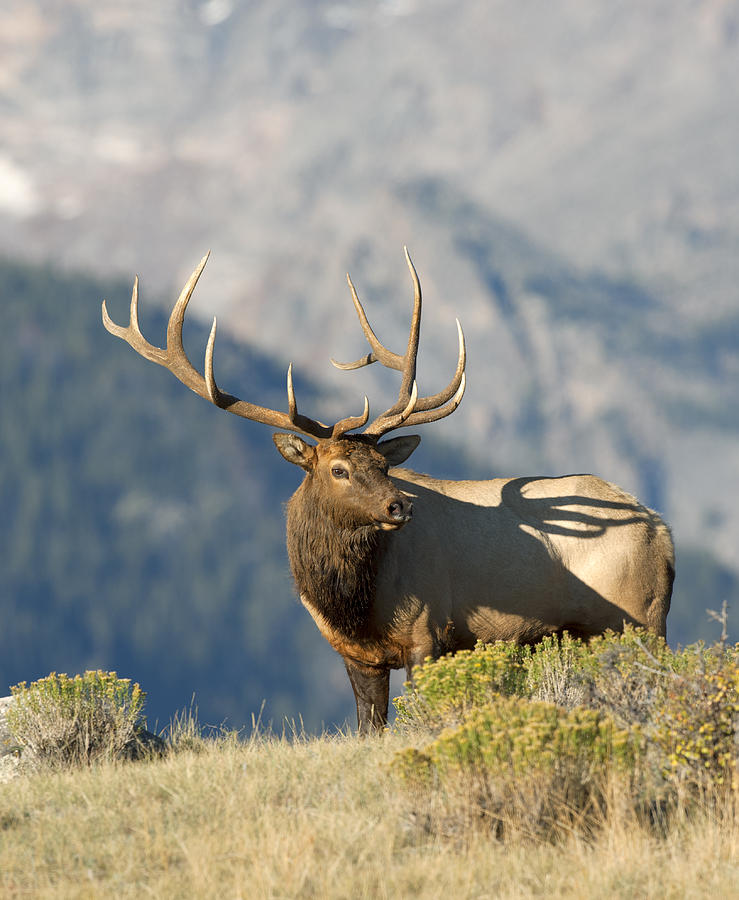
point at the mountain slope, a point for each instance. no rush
(566, 182)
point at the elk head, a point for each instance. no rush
(347, 471)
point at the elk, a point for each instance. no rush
(395, 566)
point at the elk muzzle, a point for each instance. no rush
(399, 512)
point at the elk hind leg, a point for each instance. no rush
(660, 605)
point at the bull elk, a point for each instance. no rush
(395, 567)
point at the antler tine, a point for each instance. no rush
(405, 364)
(180, 365)
(214, 394)
(410, 409)
(389, 420)
(176, 360)
(352, 422)
(380, 353)
(291, 402)
(335, 431)
(412, 416)
(437, 400)
(429, 414)
(132, 333)
(409, 367)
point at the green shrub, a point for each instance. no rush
(444, 690)
(518, 736)
(698, 729)
(684, 703)
(557, 669)
(60, 721)
(527, 766)
(627, 674)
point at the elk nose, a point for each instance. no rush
(400, 509)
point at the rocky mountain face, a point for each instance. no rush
(564, 175)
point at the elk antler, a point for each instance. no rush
(410, 409)
(175, 359)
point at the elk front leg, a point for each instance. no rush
(431, 642)
(371, 688)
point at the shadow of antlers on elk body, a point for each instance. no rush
(394, 566)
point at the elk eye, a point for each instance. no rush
(338, 472)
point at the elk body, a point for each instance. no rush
(394, 566)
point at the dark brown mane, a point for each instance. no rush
(334, 563)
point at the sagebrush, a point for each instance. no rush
(62, 721)
(541, 738)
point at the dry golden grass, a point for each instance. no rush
(273, 818)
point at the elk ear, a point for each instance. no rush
(295, 450)
(397, 450)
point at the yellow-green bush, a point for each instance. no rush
(60, 721)
(683, 705)
(526, 766)
(687, 702)
(445, 689)
(517, 736)
(557, 669)
(698, 730)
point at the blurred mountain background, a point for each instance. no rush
(565, 177)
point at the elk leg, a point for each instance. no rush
(371, 691)
(439, 641)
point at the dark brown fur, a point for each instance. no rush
(334, 563)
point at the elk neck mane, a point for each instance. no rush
(334, 562)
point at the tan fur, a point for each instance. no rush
(517, 559)
(511, 559)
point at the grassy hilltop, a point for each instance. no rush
(566, 771)
(320, 817)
